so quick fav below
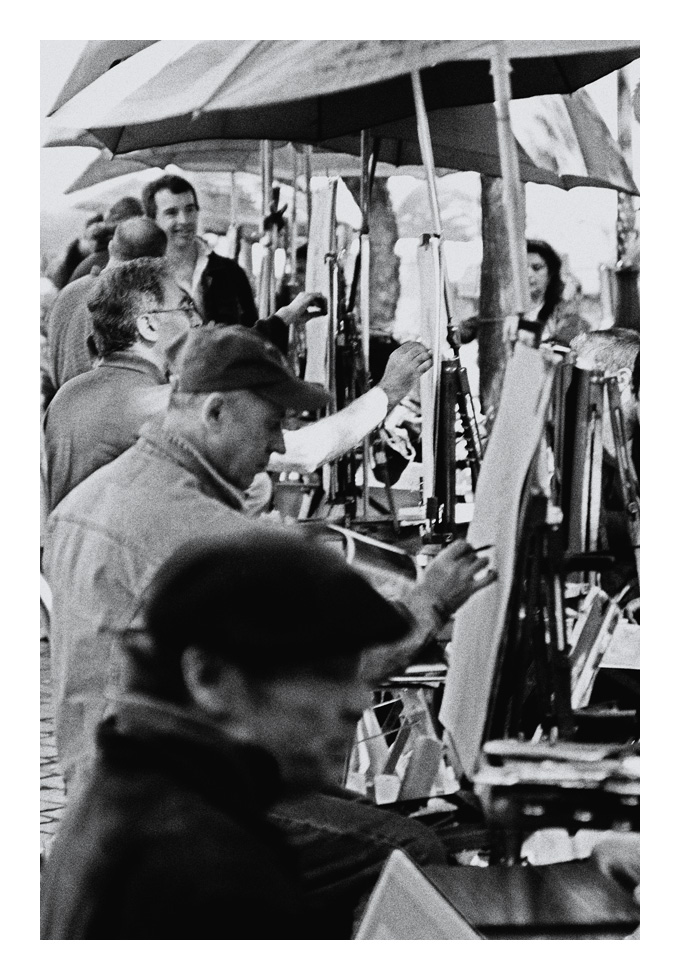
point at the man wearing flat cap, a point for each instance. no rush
(222, 709)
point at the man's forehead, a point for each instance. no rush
(165, 199)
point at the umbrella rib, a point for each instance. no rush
(233, 64)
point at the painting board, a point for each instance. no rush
(480, 624)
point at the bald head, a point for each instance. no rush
(137, 238)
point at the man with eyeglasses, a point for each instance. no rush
(70, 324)
(141, 319)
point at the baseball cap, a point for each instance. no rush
(268, 600)
(219, 358)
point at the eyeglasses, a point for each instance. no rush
(188, 308)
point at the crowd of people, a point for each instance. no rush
(209, 667)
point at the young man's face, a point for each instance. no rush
(177, 215)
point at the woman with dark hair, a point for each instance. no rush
(550, 307)
(546, 285)
(561, 322)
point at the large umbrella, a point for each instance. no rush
(223, 156)
(191, 90)
(170, 91)
(561, 140)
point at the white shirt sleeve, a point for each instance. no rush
(309, 448)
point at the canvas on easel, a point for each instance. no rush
(321, 243)
(501, 495)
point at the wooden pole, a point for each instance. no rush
(293, 237)
(308, 186)
(441, 279)
(232, 185)
(512, 188)
(365, 258)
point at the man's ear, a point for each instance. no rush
(216, 688)
(212, 410)
(147, 327)
(624, 377)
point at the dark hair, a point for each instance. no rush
(168, 182)
(101, 234)
(117, 300)
(635, 376)
(210, 595)
(555, 287)
(125, 207)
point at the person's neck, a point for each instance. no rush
(148, 353)
(182, 258)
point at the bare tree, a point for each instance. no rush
(384, 261)
(494, 298)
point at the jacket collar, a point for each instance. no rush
(183, 452)
(128, 360)
(146, 731)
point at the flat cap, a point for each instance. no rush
(270, 601)
(219, 358)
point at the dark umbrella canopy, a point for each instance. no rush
(257, 90)
(561, 140)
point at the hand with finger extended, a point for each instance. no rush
(303, 308)
(405, 365)
(453, 576)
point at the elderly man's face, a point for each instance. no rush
(174, 317)
(248, 432)
(308, 724)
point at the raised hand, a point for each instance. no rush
(303, 308)
(453, 576)
(405, 365)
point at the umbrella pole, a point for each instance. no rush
(308, 187)
(500, 70)
(365, 255)
(267, 282)
(292, 238)
(332, 264)
(232, 176)
(425, 141)
(465, 405)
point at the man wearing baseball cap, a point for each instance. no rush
(185, 476)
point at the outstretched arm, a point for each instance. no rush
(309, 448)
(448, 582)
